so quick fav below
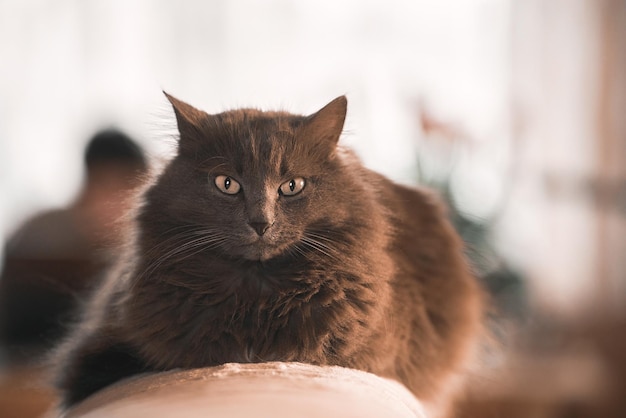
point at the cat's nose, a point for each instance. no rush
(259, 227)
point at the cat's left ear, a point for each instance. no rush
(325, 126)
(189, 121)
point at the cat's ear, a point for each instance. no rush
(325, 126)
(189, 121)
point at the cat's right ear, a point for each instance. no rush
(324, 127)
(189, 121)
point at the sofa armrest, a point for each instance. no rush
(253, 390)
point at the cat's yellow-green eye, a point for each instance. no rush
(292, 187)
(227, 184)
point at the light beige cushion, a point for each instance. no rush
(253, 390)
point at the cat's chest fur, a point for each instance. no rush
(249, 313)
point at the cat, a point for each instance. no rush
(263, 239)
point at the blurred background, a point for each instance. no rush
(515, 110)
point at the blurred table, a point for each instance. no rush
(23, 393)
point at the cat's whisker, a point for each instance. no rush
(217, 167)
(325, 238)
(320, 236)
(321, 247)
(215, 157)
(316, 239)
(179, 236)
(190, 245)
(295, 250)
(208, 245)
(205, 238)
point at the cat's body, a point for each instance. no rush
(264, 241)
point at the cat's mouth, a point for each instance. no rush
(262, 249)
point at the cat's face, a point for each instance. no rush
(255, 185)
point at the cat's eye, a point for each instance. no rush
(227, 184)
(292, 187)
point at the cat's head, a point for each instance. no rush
(255, 185)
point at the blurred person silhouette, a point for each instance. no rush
(52, 260)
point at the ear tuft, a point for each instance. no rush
(189, 121)
(325, 126)
(185, 113)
